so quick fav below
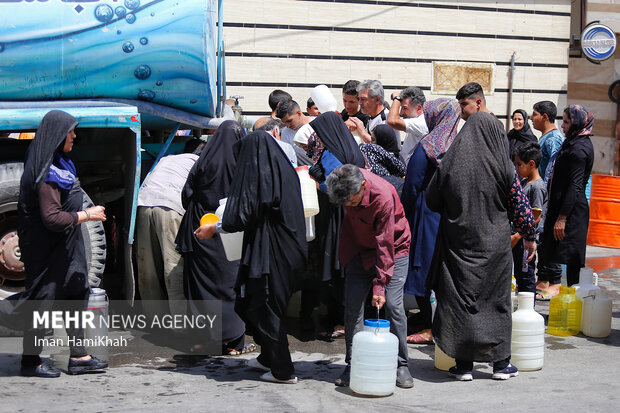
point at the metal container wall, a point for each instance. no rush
(160, 51)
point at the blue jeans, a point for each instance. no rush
(357, 284)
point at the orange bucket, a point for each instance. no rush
(604, 228)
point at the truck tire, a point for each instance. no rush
(12, 273)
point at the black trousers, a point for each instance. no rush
(32, 343)
(265, 312)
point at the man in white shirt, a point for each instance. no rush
(371, 95)
(160, 266)
(408, 104)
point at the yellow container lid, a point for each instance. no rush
(209, 219)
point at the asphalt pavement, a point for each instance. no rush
(579, 373)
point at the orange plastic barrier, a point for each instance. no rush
(604, 228)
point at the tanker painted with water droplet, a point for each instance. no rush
(159, 51)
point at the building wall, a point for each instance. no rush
(588, 85)
(297, 44)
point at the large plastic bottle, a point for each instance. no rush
(309, 196)
(324, 99)
(98, 304)
(586, 276)
(233, 242)
(597, 309)
(374, 359)
(528, 335)
(442, 360)
(564, 313)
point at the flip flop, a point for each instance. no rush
(418, 339)
(337, 334)
(248, 348)
(543, 295)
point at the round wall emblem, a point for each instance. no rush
(598, 42)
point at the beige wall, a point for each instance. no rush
(295, 45)
(588, 85)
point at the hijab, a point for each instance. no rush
(208, 181)
(581, 121)
(214, 169)
(336, 137)
(523, 135)
(387, 139)
(442, 118)
(46, 161)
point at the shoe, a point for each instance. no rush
(345, 377)
(86, 366)
(505, 373)
(269, 377)
(44, 370)
(255, 364)
(461, 375)
(403, 378)
(248, 348)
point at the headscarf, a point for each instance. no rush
(265, 202)
(518, 137)
(442, 117)
(44, 151)
(209, 180)
(336, 137)
(581, 121)
(215, 167)
(387, 139)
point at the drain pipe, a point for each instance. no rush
(511, 73)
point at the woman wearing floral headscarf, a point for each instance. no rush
(565, 241)
(442, 117)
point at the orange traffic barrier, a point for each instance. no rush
(604, 228)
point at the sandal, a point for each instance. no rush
(543, 295)
(248, 348)
(325, 336)
(418, 339)
(337, 334)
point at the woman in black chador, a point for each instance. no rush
(265, 202)
(50, 240)
(207, 274)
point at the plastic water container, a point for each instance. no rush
(310, 229)
(309, 196)
(98, 304)
(233, 242)
(586, 277)
(442, 360)
(528, 335)
(564, 313)
(586, 283)
(597, 309)
(324, 99)
(374, 359)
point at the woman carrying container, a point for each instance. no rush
(264, 202)
(207, 274)
(568, 213)
(50, 240)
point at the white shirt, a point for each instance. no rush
(415, 129)
(287, 135)
(163, 186)
(288, 151)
